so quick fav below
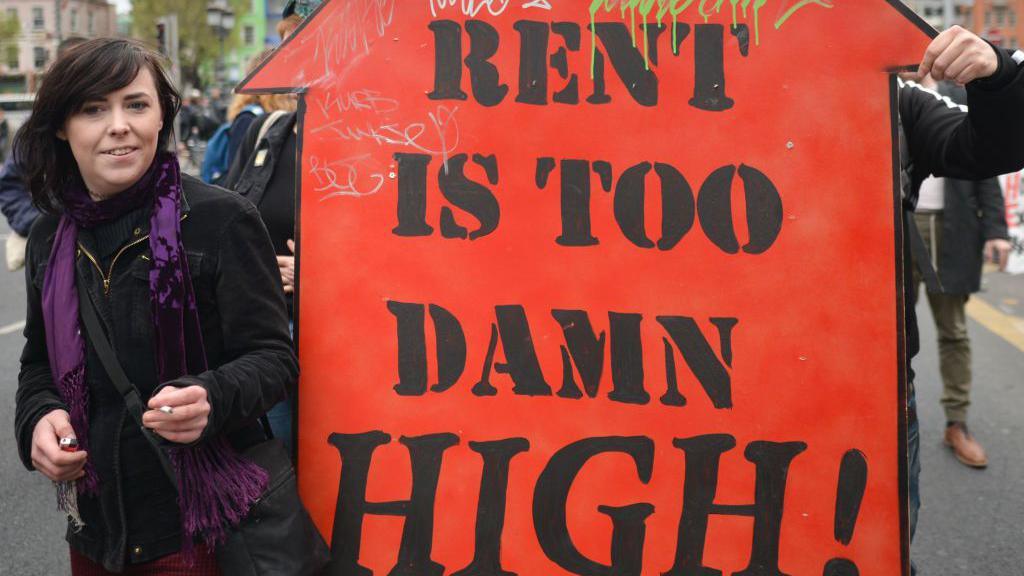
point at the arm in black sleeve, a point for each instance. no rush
(993, 209)
(254, 322)
(982, 140)
(37, 394)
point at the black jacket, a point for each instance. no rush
(248, 348)
(983, 140)
(973, 213)
(250, 177)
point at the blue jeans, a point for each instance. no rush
(280, 416)
(914, 470)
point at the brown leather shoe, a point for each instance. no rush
(965, 447)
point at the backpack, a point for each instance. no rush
(216, 161)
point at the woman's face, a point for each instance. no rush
(114, 139)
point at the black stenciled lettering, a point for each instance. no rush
(447, 61)
(520, 356)
(575, 203)
(628, 62)
(677, 212)
(627, 359)
(451, 348)
(490, 514)
(412, 348)
(584, 349)
(709, 69)
(628, 522)
(470, 196)
(652, 31)
(356, 452)
(533, 52)
(703, 454)
(700, 358)
(483, 387)
(570, 33)
(483, 75)
(412, 195)
(764, 209)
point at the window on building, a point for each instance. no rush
(39, 56)
(250, 35)
(37, 18)
(12, 13)
(1000, 17)
(1012, 17)
(74, 19)
(90, 23)
(11, 57)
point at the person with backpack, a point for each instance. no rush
(223, 145)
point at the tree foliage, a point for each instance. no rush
(197, 42)
(10, 29)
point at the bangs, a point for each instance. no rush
(118, 67)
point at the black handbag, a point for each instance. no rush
(277, 537)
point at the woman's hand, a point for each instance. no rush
(47, 457)
(286, 265)
(178, 414)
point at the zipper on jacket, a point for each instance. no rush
(106, 277)
(109, 275)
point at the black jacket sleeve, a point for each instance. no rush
(254, 322)
(984, 139)
(37, 394)
(993, 209)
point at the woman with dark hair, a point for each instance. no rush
(183, 280)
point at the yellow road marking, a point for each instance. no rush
(1007, 327)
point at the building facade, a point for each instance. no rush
(23, 61)
(999, 21)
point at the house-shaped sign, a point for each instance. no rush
(601, 288)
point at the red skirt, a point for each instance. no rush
(204, 564)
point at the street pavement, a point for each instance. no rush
(971, 523)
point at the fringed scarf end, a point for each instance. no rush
(217, 488)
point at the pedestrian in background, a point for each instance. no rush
(182, 281)
(960, 222)
(15, 201)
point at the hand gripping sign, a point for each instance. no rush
(601, 288)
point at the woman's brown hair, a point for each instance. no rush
(86, 72)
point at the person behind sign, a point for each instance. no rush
(263, 171)
(941, 140)
(183, 280)
(960, 222)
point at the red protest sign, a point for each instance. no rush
(601, 289)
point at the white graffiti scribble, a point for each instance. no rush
(351, 31)
(471, 8)
(438, 136)
(342, 177)
(334, 103)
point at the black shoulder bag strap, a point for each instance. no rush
(922, 259)
(120, 380)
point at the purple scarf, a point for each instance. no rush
(216, 487)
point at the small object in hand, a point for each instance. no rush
(68, 444)
(167, 409)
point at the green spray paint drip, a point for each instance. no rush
(799, 5)
(673, 8)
